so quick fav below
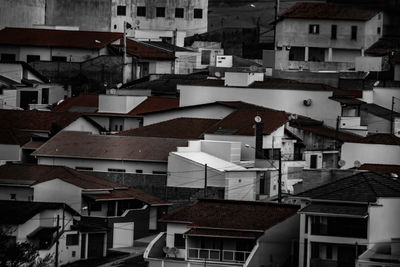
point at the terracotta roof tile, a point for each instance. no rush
(86, 145)
(57, 38)
(182, 128)
(142, 50)
(380, 168)
(14, 137)
(318, 10)
(361, 187)
(217, 214)
(154, 103)
(129, 193)
(82, 100)
(35, 120)
(381, 138)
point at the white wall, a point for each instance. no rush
(383, 96)
(119, 103)
(10, 152)
(379, 229)
(22, 193)
(369, 153)
(172, 229)
(57, 190)
(11, 71)
(322, 108)
(8, 99)
(242, 185)
(82, 125)
(368, 64)
(104, 165)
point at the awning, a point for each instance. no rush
(223, 233)
(338, 210)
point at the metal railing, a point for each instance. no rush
(218, 255)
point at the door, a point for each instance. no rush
(28, 97)
(313, 161)
(96, 245)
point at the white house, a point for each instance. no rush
(226, 233)
(324, 36)
(342, 219)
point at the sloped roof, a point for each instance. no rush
(57, 38)
(155, 103)
(361, 187)
(336, 209)
(18, 212)
(384, 45)
(379, 111)
(241, 122)
(14, 137)
(380, 168)
(182, 128)
(35, 120)
(142, 50)
(36, 174)
(82, 100)
(211, 161)
(381, 139)
(86, 145)
(232, 214)
(318, 10)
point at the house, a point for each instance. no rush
(226, 233)
(43, 224)
(121, 213)
(378, 148)
(342, 219)
(106, 153)
(24, 87)
(324, 36)
(380, 119)
(381, 254)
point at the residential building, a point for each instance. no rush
(375, 149)
(106, 153)
(382, 254)
(226, 233)
(342, 219)
(43, 224)
(388, 169)
(379, 119)
(123, 213)
(323, 36)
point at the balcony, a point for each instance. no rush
(341, 227)
(233, 256)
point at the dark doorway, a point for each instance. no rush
(96, 245)
(313, 161)
(28, 97)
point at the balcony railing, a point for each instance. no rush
(218, 255)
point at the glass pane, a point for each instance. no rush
(203, 254)
(239, 256)
(214, 254)
(228, 255)
(193, 253)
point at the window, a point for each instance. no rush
(314, 250)
(179, 241)
(59, 59)
(198, 13)
(329, 251)
(139, 171)
(121, 128)
(95, 206)
(116, 170)
(353, 32)
(333, 32)
(7, 57)
(13, 197)
(159, 172)
(378, 30)
(45, 95)
(179, 12)
(141, 11)
(121, 10)
(72, 240)
(83, 168)
(313, 29)
(160, 12)
(32, 58)
(271, 153)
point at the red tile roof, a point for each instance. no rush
(241, 122)
(381, 138)
(348, 100)
(35, 120)
(86, 145)
(57, 38)
(142, 50)
(380, 168)
(14, 137)
(155, 103)
(15, 173)
(82, 100)
(182, 128)
(232, 214)
(318, 10)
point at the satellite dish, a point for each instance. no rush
(218, 74)
(293, 116)
(341, 163)
(113, 92)
(357, 164)
(307, 102)
(257, 119)
(165, 250)
(119, 85)
(253, 68)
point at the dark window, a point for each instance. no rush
(32, 58)
(198, 13)
(83, 168)
(72, 240)
(121, 127)
(141, 11)
(159, 172)
(7, 57)
(45, 95)
(13, 196)
(179, 241)
(313, 29)
(139, 171)
(378, 30)
(306, 225)
(314, 250)
(59, 59)
(329, 251)
(205, 57)
(116, 170)
(313, 161)
(121, 10)
(271, 153)
(353, 32)
(95, 206)
(262, 186)
(333, 32)
(179, 12)
(305, 256)
(160, 12)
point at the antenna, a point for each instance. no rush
(253, 68)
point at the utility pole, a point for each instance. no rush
(337, 132)
(174, 41)
(391, 116)
(124, 59)
(276, 18)
(57, 243)
(280, 177)
(205, 180)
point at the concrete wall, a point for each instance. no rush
(118, 103)
(383, 96)
(369, 64)
(242, 185)
(369, 153)
(21, 193)
(12, 71)
(172, 229)
(10, 152)
(82, 125)
(21, 13)
(375, 124)
(8, 99)
(322, 108)
(331, 79)
(104, 165)
(88, 15)
(56, 93)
